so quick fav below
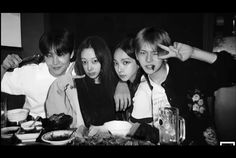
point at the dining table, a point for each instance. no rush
(106, 139)
(109, 140)
(102, 139)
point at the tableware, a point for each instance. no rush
(171, 126)
(7, 132)
(3, 114)
(117, 127)
(34, 121)
(31, 125)
(72, 132)
(58, 137)
(17, 115)
(28, 137)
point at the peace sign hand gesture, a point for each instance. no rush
(179, 50)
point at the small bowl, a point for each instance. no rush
(28, 137)
(58, 137)
(7, 132)
(17, 115)
(26, 125)
(119, 128)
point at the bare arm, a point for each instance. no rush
(203, 55)
(184, 52)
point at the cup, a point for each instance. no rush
(171, 126)
(3, 114)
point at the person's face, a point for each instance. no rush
(57, 65)
(148, 58)
(125, 66)
(91, 65)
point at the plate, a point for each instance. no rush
(58, 137)
(7, 132)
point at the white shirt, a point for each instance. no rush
(147, 103)
(33, 81)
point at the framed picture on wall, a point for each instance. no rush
(11, 30)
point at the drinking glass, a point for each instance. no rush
(171, 126)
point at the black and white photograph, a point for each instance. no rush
(118, 79)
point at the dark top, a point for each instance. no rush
(95, 105)
(133, 86)
(195, 77)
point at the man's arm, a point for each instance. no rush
(184, 52)
(11, 61)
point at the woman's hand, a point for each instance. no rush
(122, 96)
(11, 61)
(178, 50)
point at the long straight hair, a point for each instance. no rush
(103, 54)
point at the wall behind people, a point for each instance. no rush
(185, 27)
(32, 27)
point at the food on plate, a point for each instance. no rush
(104, 138)
(27, 125)
(58, 137)
(57, 122)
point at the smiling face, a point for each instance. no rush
(57, 65)
(148, 58)
(91, 65)
(125, 66)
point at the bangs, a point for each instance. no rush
(152, 37)
(60, 48)
(62, 42)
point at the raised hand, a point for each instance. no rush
(178, 50)
(11, 61)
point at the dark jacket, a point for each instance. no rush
(184, 78)
(196, 77)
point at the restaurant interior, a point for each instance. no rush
(197, 29)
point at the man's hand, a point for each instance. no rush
(11, 61)
(178, 50)
(122, 96)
